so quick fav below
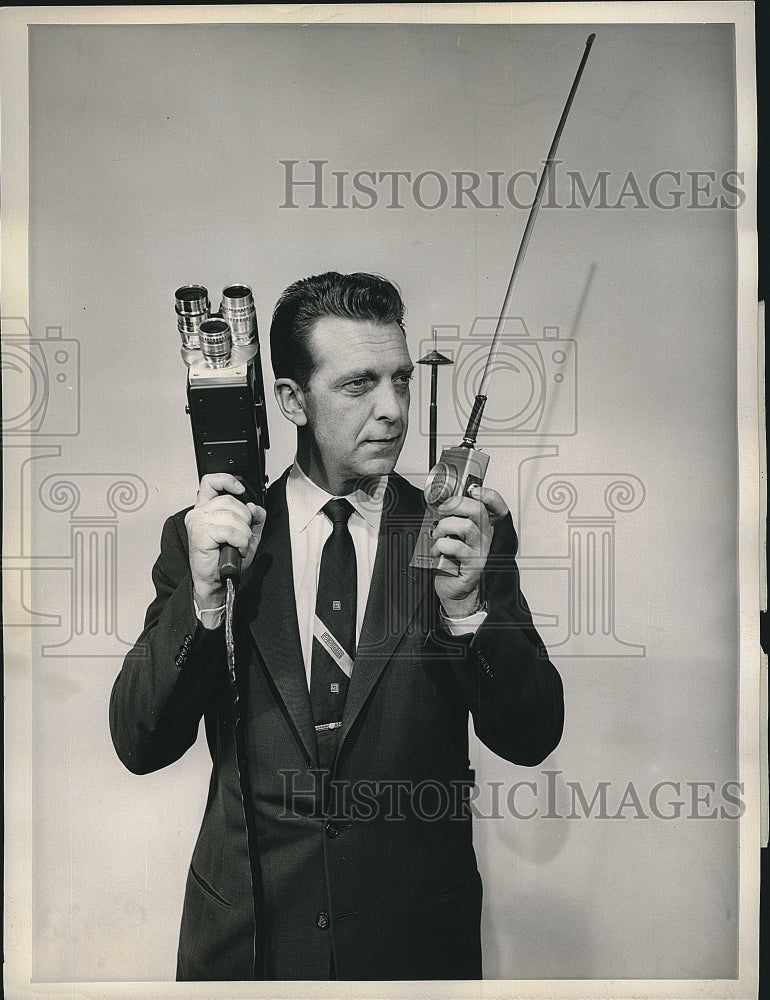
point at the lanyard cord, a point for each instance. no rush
(244, 782)
(230, 642)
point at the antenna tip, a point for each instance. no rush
(591, 38)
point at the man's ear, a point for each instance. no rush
(291, 400)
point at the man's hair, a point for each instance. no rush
(349, 296)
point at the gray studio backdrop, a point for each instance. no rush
(161, 155)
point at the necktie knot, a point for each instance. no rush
(338, 511)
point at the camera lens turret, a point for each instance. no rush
(216, 342)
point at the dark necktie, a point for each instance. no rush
(334, 630)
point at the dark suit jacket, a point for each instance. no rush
(378, 863)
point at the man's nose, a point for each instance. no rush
(388, 404)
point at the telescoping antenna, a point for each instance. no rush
(471, 431)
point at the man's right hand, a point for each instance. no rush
(218, 519)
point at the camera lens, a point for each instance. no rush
(192, 307)
(216, 342)
(239, 311)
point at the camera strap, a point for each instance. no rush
(244, 782)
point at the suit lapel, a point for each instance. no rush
(395, 594)
(267, 591)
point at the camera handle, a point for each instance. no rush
(229, 564)
(229, 557)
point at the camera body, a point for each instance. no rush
(225, 390)
(229, 426)
(457, 470)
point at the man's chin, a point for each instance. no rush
(374, 468)
(379, 466)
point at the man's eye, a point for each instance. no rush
(358, 383)
(404, 379)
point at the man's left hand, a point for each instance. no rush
(464, 534)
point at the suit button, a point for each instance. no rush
(331, 830)
(322, 921)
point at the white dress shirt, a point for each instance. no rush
(309, 528)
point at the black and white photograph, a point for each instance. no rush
(383, 481)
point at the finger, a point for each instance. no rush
(224, 502)
(222, 530)
(456, 549)
(258, 515)
(218, 482)
(466, 507)
(238, 539)
(257, 524)
(461, 527)
(496, 507)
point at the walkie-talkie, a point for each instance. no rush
(461, 467)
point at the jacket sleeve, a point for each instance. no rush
(512, 689)
(170, 675)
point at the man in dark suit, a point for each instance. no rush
(336, 840)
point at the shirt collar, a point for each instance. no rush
(306, 499)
